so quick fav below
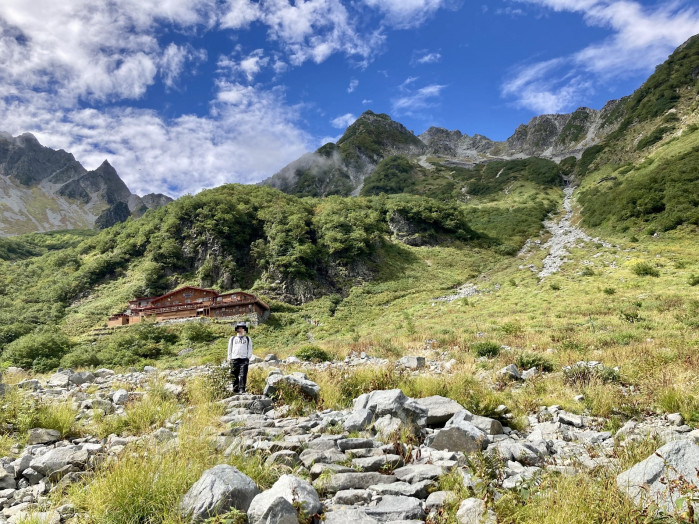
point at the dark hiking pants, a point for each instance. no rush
(239, 371)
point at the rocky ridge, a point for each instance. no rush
(43, 189)
(346, 465)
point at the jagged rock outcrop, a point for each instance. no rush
(42, 189)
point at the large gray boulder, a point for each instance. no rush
(271, 508)
(392, 402)
(643, 484)
(458, 436)
(439, 409)
(299, 491)
(358, 420)
(218, 490)
(349, 516)
(7, 481)
(473, 511)
(489, 426)
(43, 436)
(81, 377)
(394, 507)
(58, 458)
(295, 380)
(59, 380)
(344, 481)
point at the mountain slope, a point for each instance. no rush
(44, 190)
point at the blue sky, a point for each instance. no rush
(180, 95)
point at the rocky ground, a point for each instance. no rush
(379, 461)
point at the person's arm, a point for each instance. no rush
(230, 349)
(249, 348)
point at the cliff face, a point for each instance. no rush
(42, 189)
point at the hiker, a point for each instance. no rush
(239, 354)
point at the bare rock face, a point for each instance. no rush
(44, 189)
(217, 491)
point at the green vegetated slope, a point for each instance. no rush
(235, 236)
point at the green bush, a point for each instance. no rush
(643, 269)
(198, 332)
(587, 272)
(693, 280)
(41, 350)
(609, 290)
(486, 349)
(582, 374)
(534, 360)
(313, 354)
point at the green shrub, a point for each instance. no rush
(609, 290)
(582, 374)
(587, 272)
(198, 332)
(555, 286)
(534, 360)
(41, 350)
(693, 280)
(512, 328)
(313, 354)
(643, 269)
(486, 349)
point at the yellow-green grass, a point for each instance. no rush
(148, 481)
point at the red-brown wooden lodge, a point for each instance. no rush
(192, 302)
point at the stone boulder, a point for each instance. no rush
(218, 490)
(271, 508)
(299, 491)
(458, 436)
(648, 481)
(7, 481)
(58, 459)
(439, 409)
(473, 511)
(43, 436)
(489, 426)
(395, 507)
(294, 380)
(392, 402)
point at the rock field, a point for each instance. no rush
(348, 466)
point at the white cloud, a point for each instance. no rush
(85, 49)
(343, 121)
(248, 136)
(306, 30)
(366, 101)
(174, 59)
(352, 85)
(412, 102)
(427, 58)
(641, 38)
(248, 66)
(404, 14)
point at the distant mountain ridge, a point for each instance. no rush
(661, 106)
(43, 189)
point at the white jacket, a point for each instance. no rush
(239, 347)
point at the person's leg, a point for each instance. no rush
(235, 371)
(243, 375)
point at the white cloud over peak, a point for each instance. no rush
(343, 121)
(640, 38)
(412, 101)
(352, 85)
